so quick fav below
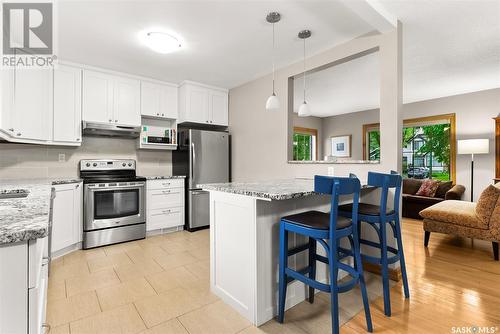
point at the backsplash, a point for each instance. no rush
(20, 161)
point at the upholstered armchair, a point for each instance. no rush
(479, 220)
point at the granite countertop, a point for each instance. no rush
(65, 181)
(165, 177)
(276, 190)
(25, 218)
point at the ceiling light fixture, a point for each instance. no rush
(273, 103)
(304, 110)
(161, 42)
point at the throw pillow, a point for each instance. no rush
(443, 188)
(428, 188)
(486, 203)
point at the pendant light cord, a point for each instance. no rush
(273, 61)
(304, 70)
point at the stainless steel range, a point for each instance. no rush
(113, 202)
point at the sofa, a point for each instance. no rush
(479, 220)
(413, 204)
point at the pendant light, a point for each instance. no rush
(304, 110)
(273, 103)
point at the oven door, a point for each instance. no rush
(112, 206)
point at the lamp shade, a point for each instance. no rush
(272, 103)
(304, 110)
(473, 146)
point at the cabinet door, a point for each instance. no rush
(197, 105)
(32, 104)
(169, 102)
(218, 108)
(151, 96)
(97, 97)
(67, 104)
(127, 102)
(7, 98)
(66, 228)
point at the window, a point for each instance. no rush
(371, 142)
(305, 144)
(428, 146)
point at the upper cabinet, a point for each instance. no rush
(41, 106)
(159, 100)
(199, 103)
(111, 99)
(27, 104)
(67, 120)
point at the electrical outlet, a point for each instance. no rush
(62, 157)
(330, 171)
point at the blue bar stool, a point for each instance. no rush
(326, 229)
(378, 217)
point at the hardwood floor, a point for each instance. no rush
(160, 285)
(453, 283)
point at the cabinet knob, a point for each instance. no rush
(77, 186)
(116, 121)
(111, 120)
(210, 121)
(163, 114)
(157, 114)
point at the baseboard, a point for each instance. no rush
(394, 273)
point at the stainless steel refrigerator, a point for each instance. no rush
(203, 157)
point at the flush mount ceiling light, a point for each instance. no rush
(273, 103)
(161, 42)
(304, 110)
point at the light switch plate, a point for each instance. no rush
(62, 157)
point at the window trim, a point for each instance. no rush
(451, 118)
(308, 131)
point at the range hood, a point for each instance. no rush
(110, 130)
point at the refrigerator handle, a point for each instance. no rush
(193, 161)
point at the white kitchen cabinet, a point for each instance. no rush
(159, 101)
(164, 204)
(97, 97)
(111, 99)
(27, 104)
(67, 216)
(203, 104)
(218, 109)
(67, 120)
(23, 286)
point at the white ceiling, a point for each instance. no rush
(227, 43)
(349, 87)
(450, 47)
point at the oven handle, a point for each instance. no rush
(90, 188)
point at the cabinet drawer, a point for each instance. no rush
(165, 184)
(36, 251)
(164, 218)
(37, 298)
(167, 198)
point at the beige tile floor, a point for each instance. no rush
(161, 285)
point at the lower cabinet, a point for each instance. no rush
(164, 204)
(67, 216)
(23, 286)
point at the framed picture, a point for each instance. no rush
(341, 146)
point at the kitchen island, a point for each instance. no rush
(244, 242)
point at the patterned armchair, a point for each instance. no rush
(479, 220)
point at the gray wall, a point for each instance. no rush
(34, 161)
(474, 113)
(348, 124)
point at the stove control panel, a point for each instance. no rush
(117, 164)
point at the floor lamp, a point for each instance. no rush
(473, 146)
